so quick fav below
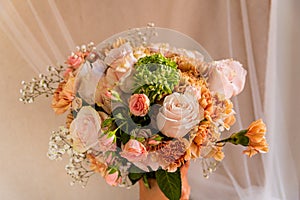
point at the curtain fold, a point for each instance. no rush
(41, 33)
(282, 180)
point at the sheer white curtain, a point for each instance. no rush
(281, 103)
(45, 32)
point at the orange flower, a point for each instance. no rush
(96, 165)
(63, 96)
(230, 120)
(199, 140)
(257, 141)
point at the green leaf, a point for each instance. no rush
(145, 180)
(107, 122)
(239, 138)
(169, 183)
(124, 137)
(112, 170)
(135, 177)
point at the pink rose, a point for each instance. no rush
(139, 104)
(134, 151)
(227, 77)
(113, 179)
(75, 60)
(85, 129)
(149, 164)
(107, 143)
(179, 114)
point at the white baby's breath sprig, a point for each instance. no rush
(42, 85)
(77, 168)
(59, 144)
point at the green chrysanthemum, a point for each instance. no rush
(156, 76)
(158, 59)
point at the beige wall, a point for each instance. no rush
(25, 171)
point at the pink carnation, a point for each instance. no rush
(139, 104)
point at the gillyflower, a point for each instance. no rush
(253, 138)
(63, 96)
(257, 141)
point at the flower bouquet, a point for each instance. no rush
(137, 109)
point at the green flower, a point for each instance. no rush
(156, 76)
(158, 59)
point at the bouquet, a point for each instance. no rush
(137, 110)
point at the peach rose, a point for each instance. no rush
(179, 114)
(113, 179)
(139, 104)
(134, 151)
(85, 129)
(227, 77)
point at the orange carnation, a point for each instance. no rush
(63, 96)
(257, 141)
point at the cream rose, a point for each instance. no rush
(178, 115)
(85, 129)
(227, 77)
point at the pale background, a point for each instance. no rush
(25, 170)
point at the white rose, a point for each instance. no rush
(85, 129)
(178, 115)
